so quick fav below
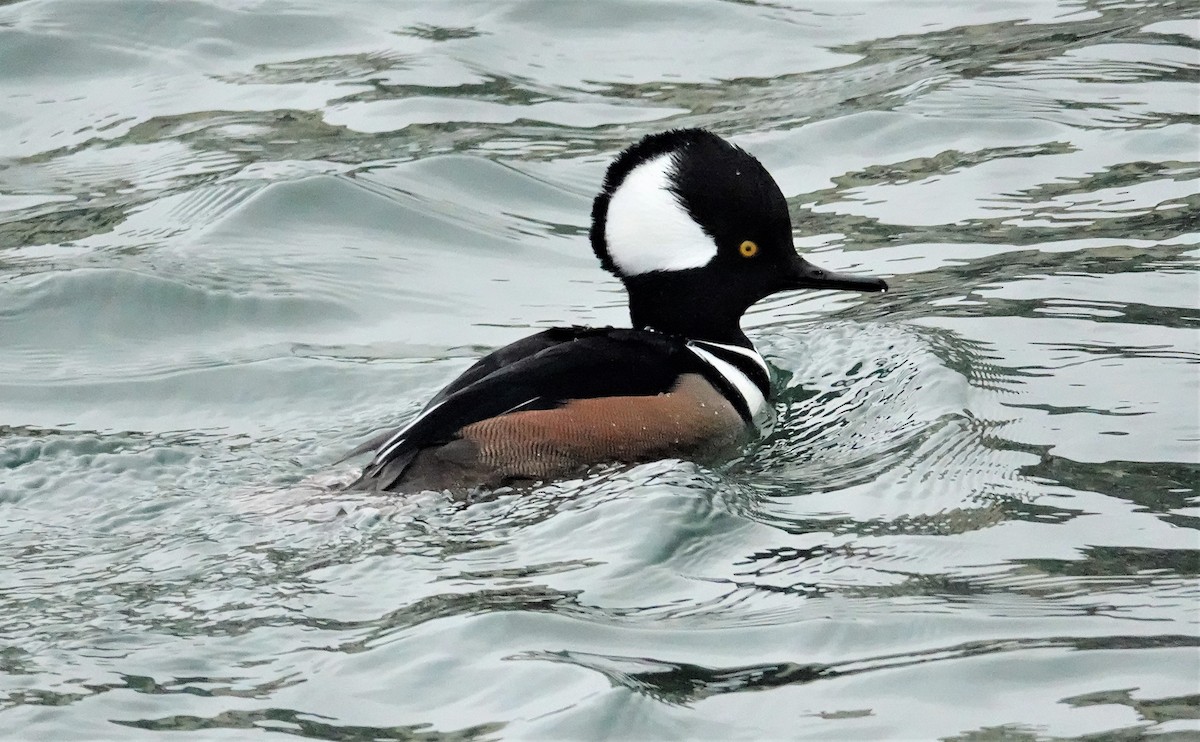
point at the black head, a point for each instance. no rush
(698, 230)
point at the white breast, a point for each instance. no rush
(760, 411)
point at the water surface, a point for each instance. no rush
(238, 238)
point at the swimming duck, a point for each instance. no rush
(697, 230)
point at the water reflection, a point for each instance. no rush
(684, 684)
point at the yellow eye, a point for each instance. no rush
(748, 249)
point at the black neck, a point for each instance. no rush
(678, 308)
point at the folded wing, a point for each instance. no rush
(542, 372)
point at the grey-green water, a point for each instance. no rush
(237, 238)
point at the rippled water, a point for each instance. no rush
(237, 238)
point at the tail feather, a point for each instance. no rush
(382, 476)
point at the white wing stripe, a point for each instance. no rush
(394, 442)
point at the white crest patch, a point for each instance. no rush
(647, 229)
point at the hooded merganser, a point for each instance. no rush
(698, 231)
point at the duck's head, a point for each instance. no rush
(698, 230)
